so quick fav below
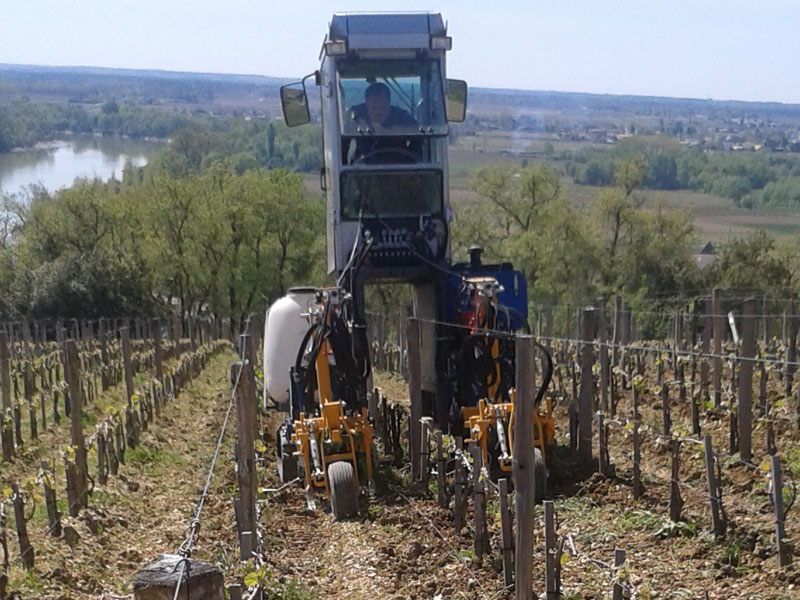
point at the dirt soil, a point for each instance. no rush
(145, 510)
(402, 545)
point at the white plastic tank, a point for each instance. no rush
(284, 328)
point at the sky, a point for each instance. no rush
(720, 49)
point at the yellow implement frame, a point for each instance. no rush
(478, 420)
(331, 426)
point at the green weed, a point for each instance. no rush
(143, 456)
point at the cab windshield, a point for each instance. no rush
(391, 97)
(391, 193)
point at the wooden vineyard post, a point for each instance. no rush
(619, 561)
(791, 349)
(507, 540)
(102, 470)
(48, 485)
(424, 452)
(717, 524)
(234, 591)
(615, 339)
(119, 436)
(373, 410)
(246, 474)
(42, 399)
(666, 419)
(716, 308)
(111, 452)
(25, 549)
(27, 386)
(675, 500)
(170, 577)
(523, 469)
(675, 342)
(572, 409)
(157, 350)
(550, 558)
(604, 366)
(602, 445)
(637, 452)
(784, 558)
(587, 385)
(479, 496)
(694, 410)
(459, 508)
(103, 338)
(733, 417)
(6, 433)
(745, 416)
(130, 413)
(76, 429)
(415, 396)
(384, 424)
(441, 490)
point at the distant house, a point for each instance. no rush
(704, 256)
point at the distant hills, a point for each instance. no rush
(141, 85)
(13, 69)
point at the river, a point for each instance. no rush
(55, 165)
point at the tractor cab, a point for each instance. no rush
(385, 106)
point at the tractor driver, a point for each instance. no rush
(380, 116)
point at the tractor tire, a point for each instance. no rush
(285, 459)
(342, 483)
(539, 476)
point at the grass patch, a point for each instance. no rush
(89, 418)
(638, 520)
(274, 589)
(792, 458)
(29, 581)
(146, 456)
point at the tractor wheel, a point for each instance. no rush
(539, 476)
(287, 462)
(342, 483)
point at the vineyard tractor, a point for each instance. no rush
(385, 106)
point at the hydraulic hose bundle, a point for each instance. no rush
(333, 321)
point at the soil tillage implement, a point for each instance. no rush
(386, 105)
(328, 428)
(486, 378)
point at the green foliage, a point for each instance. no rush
(217, 241)
(752, 262)
(242, 145)
(749, 179)
(571, 255)
(24, 123)
(274, 589)
(782, 192)
(525, 218)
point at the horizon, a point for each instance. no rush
(717, 49)
(510, 89)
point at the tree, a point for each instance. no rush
(523, 216)
(751, 262)
(663, 172)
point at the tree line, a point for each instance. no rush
(220, 222)
(614, 245)
(24, 123)
(214, 242)
(749, 179)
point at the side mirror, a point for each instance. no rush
(455, 100)
(295, 104)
